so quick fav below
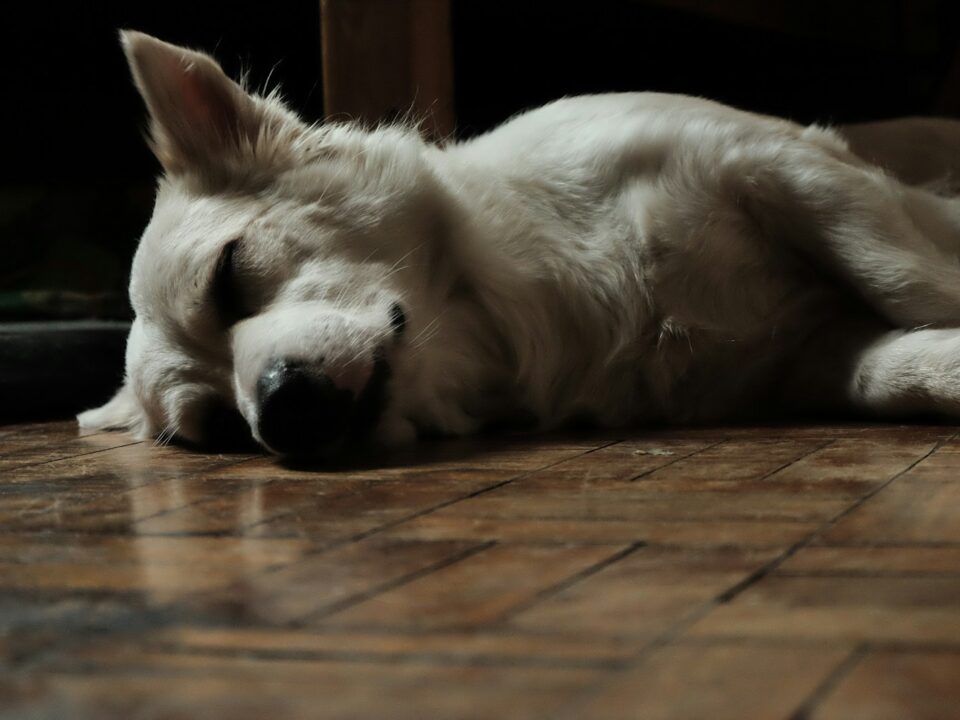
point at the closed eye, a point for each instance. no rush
(224, 288)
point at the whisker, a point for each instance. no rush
(165, 436)
(423, 341)
(427, 328)
(393, 268)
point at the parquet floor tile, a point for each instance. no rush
(745, 572)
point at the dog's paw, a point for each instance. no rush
(122, 412)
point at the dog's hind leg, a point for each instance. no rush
(924, 154)
(909, 372)
(860, 365)
(896, 246)
(937, 217)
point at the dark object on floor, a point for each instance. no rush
(55, 369)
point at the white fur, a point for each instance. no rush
(628, 257)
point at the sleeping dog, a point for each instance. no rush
(624, 258)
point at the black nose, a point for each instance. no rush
(301, 412)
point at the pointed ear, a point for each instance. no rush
(198, 115)
(122, 412)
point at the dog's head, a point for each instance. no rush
(285, 275)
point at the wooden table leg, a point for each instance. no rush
(389, 59)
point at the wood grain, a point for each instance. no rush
(745, 572)
(387, 60)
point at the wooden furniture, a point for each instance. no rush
(389, 59)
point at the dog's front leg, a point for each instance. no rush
(857, 364)
(909, 372)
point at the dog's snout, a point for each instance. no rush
(301, 411)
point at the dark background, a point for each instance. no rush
(76, 179)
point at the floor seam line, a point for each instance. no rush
(830, 682)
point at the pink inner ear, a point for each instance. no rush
(207, 106)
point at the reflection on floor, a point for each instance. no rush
(710, 573)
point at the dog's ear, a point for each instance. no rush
(122, 412)
(199, 116)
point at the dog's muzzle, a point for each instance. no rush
(302, 411)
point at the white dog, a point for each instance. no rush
(620, 258)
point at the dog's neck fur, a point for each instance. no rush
(518, 270)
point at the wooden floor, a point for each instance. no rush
(803, 572)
